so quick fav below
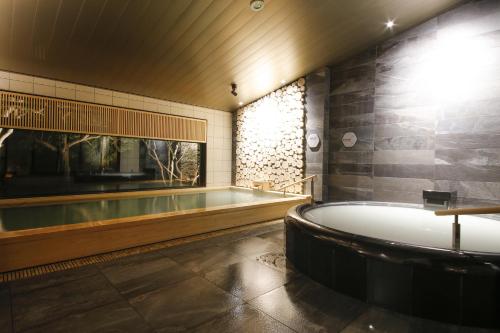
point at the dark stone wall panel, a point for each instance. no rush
(484, 157)
(341, 193)
(401, 115)
(477, 173)
(351, 157)
(469, 125)
(405, 143)
(418, 128)
(351, 169)
(425, 106)
(471, 189)
(467, 141)
(404, 171)
(361, 120)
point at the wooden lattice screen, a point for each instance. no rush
(31, 112)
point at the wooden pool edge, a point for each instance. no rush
(33, 247)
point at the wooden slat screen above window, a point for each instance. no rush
(31, 112)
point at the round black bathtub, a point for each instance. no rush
(400, 257)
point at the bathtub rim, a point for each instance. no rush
(61, 243)
(69, 198)
(297, 211)
(109, 223)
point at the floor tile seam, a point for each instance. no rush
(268, 315)
(178, 282)
(269, 291)
(57, 284)
(219, 315)
(200, 248)
(64, 316)
(250, 256)
(126, 300)
(213, 238)
(115, 286)
(203, 273)
(224, 291)
(183, 265)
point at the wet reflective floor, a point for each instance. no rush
(238, 282)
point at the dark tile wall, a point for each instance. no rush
(350, 170)
(425, 106)
(316, 121)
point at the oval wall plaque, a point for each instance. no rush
(349, 139)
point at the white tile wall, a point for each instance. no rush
(219, 122)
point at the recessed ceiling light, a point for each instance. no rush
(256, 5)
(240, 103)
(283, 81)
(389, 24)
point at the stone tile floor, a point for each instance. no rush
(238, 282)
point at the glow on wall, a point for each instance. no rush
(270, 138)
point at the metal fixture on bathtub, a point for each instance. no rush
(464, 211)
(283, 188)
(261, 185)
(439, 199)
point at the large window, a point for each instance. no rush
(46, 163)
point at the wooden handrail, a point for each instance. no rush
(297, 182)
(469, 211)
(301, 181)
(464, 211)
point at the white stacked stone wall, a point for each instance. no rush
(270, 139)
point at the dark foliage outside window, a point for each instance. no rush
(44, 163)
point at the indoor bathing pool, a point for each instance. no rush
(401, 257)
(67, 227)
(40, 216)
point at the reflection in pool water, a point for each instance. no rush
(20, 218)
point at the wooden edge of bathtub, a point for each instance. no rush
(59, 199)
(32, 247)
(111, 223)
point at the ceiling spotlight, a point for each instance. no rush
(240, 103)
(283, 81)
(234, 86)
(256, 5)
(389, 24)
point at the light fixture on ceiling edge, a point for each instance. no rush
(234, 86)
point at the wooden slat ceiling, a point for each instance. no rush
(191, 50)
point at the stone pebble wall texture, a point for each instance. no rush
(269, 139)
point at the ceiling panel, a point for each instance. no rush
(191, 50)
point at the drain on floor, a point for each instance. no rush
(275, 259)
